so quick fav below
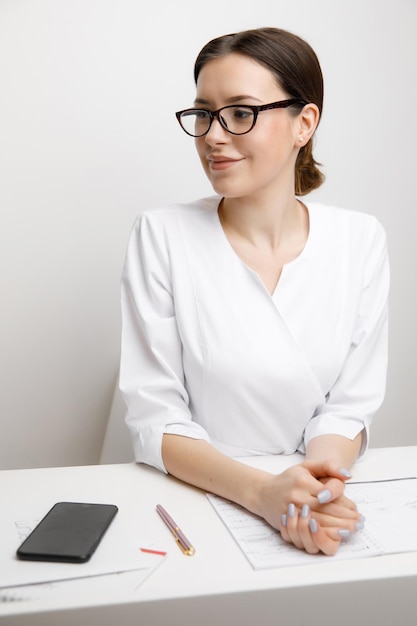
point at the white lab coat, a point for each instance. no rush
(208, 353)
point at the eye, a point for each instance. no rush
(242, 114)
(201, 114)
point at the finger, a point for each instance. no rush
(333, 489)
(329, 521)
(292, 526)
(308, 485)
(303, 488)
(346, 502)
(321, 469)
(305, 534)
(338, 534)
(342, 508)
(328, 544)
(338, 508)
(283, 528)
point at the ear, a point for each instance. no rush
(307, 122)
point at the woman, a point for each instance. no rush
(255, 323)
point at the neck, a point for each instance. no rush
(263, 224)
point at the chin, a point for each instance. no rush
(226, 189)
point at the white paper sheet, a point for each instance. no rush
(390, 509)
(117, 552)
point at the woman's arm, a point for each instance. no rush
(360, 386)
(336, 448)
(198, 463)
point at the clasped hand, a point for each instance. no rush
(306, 503)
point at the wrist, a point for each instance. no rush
(257, 491)
(337, 450)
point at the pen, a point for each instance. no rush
(180, 538)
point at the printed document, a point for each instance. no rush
(389, 508)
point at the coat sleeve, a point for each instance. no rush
(151, 371)
(360, 387)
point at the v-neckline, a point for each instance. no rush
(285, 267)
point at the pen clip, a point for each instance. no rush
(180, 538)
(182, 542)
(188, 550)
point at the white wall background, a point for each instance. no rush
(88, 89)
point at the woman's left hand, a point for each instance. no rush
(302, 529)
(330, 518)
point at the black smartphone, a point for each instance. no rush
(69, 533)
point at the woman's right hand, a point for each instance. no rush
(291, 503)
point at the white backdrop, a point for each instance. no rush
(88, 90)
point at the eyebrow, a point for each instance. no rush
(231, 100)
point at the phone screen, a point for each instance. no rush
(69, 532)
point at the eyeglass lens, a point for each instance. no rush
(236, 119)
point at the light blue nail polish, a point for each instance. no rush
(345, 473)
(291, 509)
(284, 519)
(343, 533)
(324, 496)
(313, 525)
(360, 525)
(305, 511)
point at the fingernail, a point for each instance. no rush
(284, 519)
(344, 533)
(313, 525)
(361, 524)
(324, 496)
(305, 511)
(345, 473)
(291, 509)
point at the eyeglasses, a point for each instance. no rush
(237, 119)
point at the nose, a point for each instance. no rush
(216, 132)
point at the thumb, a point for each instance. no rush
(333, 486)
(327, 469)
(330, 491)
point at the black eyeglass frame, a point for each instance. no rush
(281, 104)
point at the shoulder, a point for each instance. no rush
(168, 215)
(349, 224)
(334, 215)
(163, 231)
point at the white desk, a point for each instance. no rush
(218, 586)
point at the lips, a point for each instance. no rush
(221, 162)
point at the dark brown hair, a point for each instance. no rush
(297, 71)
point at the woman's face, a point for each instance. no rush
(262, 160)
